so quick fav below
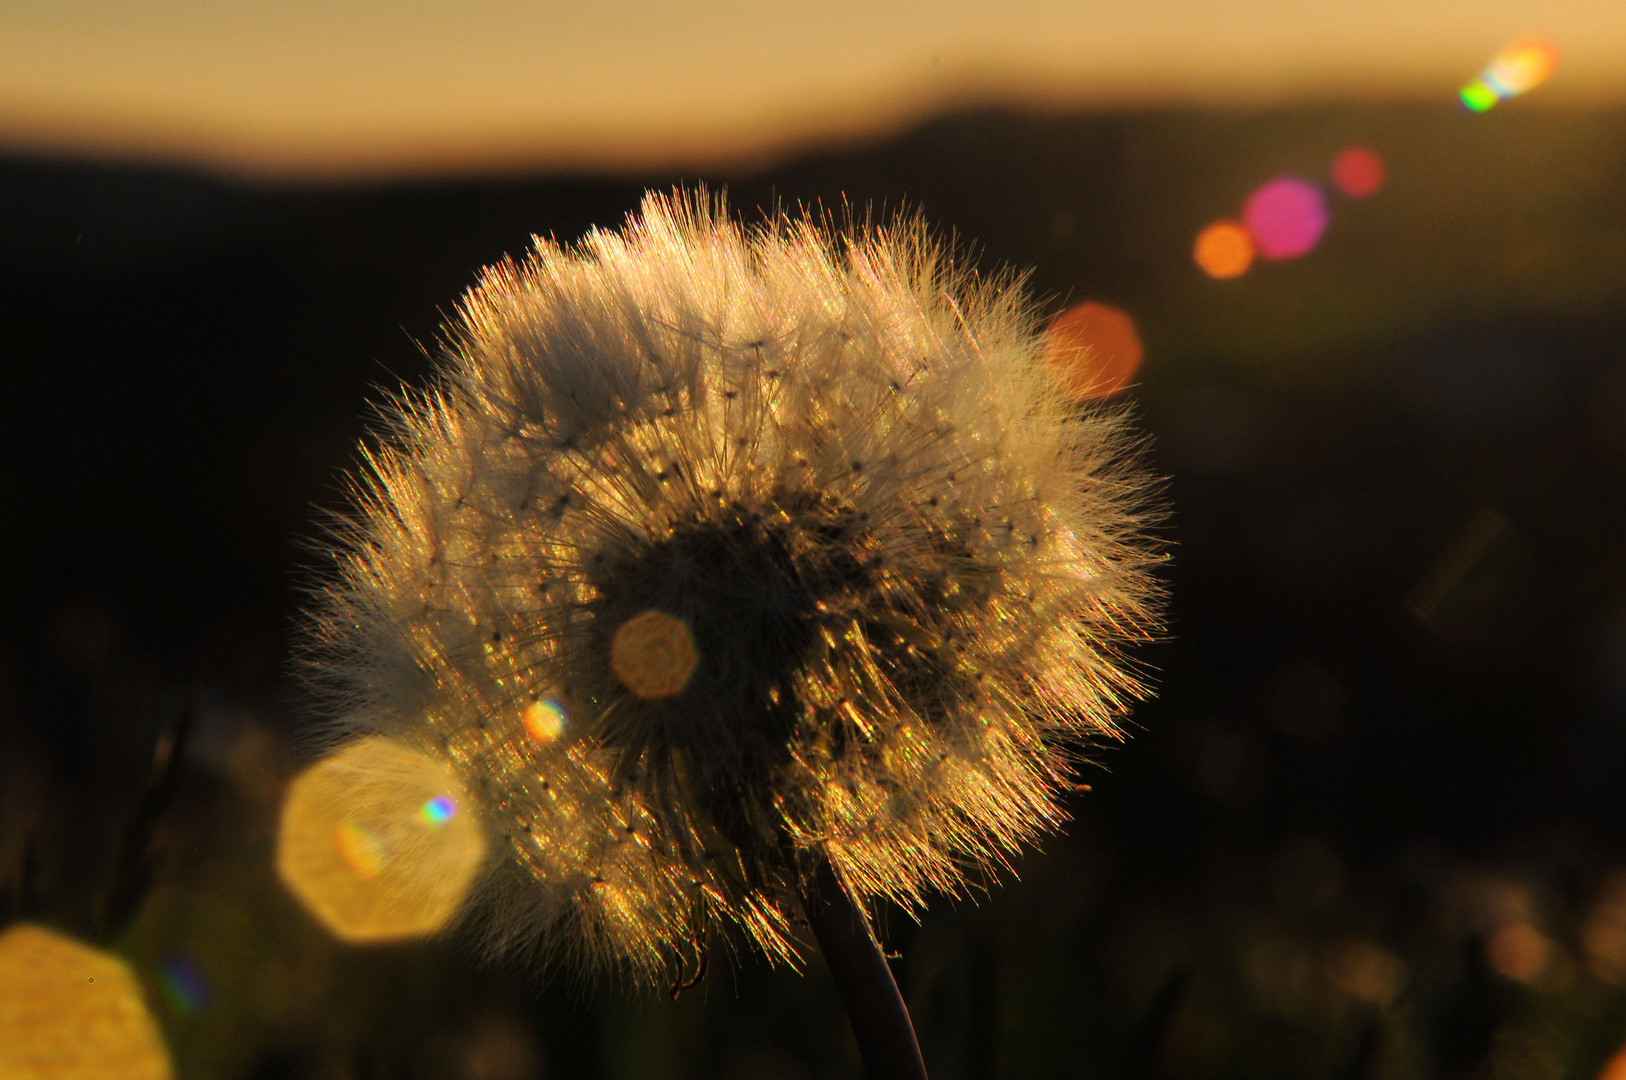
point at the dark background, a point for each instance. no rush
(1372, 825)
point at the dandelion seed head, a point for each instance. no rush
(718, 549)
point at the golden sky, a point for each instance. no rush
(369, 87)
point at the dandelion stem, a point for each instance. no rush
(880, 1020)
(132, 871)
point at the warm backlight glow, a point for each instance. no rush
(373, 843)
(1358, 172)
(68, 1012)
(352, 89)
(1224, 250)
(1523, 65)
(1285, 218)
(1092, 350)
(653, 655)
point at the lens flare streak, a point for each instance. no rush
(1522, 66)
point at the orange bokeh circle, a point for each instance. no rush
(1092, 350)
(1224, 250)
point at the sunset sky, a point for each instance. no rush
(367, 87)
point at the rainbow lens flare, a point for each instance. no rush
(359, 849)
(543, 720)
(1358, 172)
(1285, 218)
(184, 985)
(373, 844)
(1523, 65)
(1092, 350)
(437, 811)
(1477, 96)
(1223, 250)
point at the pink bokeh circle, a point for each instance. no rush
(1285, 217)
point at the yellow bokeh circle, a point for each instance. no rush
(69, 1012)
(379, 842)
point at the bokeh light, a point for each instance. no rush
(68, 1012)
(1615, 1067)
(653, 655)
(1285, 217)
(1519, 951)
(1523, 65)
(1358, 172)
(1603, 934)
(1092, 350)
(543, 720)
(372, 844)
(1224, 250)
(1369, 972)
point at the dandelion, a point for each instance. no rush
(739, 573)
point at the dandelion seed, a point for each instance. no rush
(756, 473)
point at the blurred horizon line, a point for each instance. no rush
(262, 158)
(360, 90)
